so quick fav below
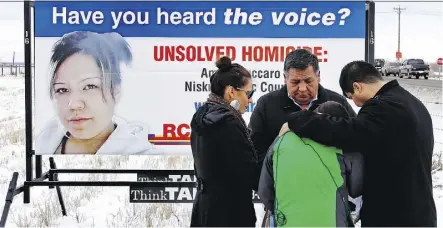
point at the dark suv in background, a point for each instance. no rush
(379, 64)
(414, 67)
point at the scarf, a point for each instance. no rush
(217, 100)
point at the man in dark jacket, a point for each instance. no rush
(302, 91)
(393, 131)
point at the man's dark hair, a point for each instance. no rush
(358, 71)
(228, 74)
(301, 59)
(332, 108)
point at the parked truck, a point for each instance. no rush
(414, 67)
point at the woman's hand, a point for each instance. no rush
(284, 129)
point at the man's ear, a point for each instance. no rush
(285, 76)
(357, 87)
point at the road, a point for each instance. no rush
(417, 82)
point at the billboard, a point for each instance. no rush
(143, 194)
(125, 78)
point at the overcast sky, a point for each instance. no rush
(421, 30)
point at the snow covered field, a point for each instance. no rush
(109, 206)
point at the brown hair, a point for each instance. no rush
(228, 74)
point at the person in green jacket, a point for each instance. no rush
(305, 183)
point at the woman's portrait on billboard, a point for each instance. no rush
(85, 87)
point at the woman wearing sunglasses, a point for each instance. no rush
(225, 161)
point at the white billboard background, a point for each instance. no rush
(154, 92)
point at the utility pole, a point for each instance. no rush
(399, 10)
(13, 65)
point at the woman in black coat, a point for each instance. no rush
(225, 161)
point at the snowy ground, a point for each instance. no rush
(109, 206)
(436, 75)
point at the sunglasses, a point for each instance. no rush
(248, 93)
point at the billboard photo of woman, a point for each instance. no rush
(85, 87)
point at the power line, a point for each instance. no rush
(425, 14)
(422, 13)
(399, 10)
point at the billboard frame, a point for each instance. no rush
(52, 174)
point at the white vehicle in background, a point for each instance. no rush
(391, 68)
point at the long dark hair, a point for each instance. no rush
(107, 49)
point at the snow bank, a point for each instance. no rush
(109, 206)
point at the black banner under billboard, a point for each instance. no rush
(139, 194)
